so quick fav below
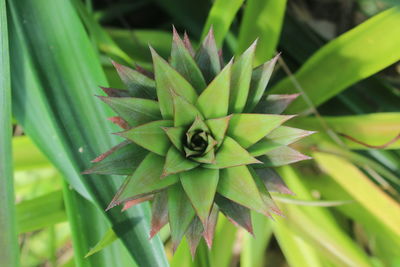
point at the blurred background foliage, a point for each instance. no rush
(341, 55)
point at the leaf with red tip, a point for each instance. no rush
(188, 44)
(266, 197)
(282, 156)
(207, 57)
(122, 159)
(273, 181)
(218, 127)
(259, 81)
(275, 104)
(175, 162)
(238, 185)
(236, 213)
(159, 216)
(211, 223)
(111, 92)
(176, 135)
(184, 112)
(193, 235)
(138, 85)
(151, 136)
(200, 186)
(167, 79)
(135, 111)
(120, 122)
(183, 62)
(145, 180)
(214, 100)
(240, 80)
(231, 154)
(133, 202)
(247, 128)
(181, 213)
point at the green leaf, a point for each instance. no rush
(285, 135)
(175, 162)
(159, 216)
(183, 62)
(122, 161)
(150, 136)
(108, 238)
(40, 212)
(184, 112)
(145, 180)
(175, 135)
(220, 18)
(263, 146)
(237, 184)
(181, 213)
(214, 100)
(135, 111)
(273, 181)
(275, 104)
(282, 155)
(9, 251)
(207, 57)
(210, 226)
(259, 81)
(209, 157)
(240, 80)
(218, 127)
(247, 129)
(138, 85)
(375, 129)
(168, 79)
(70, 73)
(200, 186)
(353, 56)
(231, 154)
(262, 19)
(239, 214)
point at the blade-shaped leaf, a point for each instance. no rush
(285, 135)
(9, 252)
(259, 81)
(135, 111)
(175, 162)
(200, 186)
(207, 57)
(247, 129)
(231, 154)
(238, 214)
(211, 223)
(167, 79)
(184, 112)
(273, 181)
(112, 92)
(183, 62)
(150, 136)
(193, 235)
(263, 146)
(159, 216)
(176, 135)
(240, 80)
(214, 100)
(181, 213)
(353, 56)
(275, 104)
(218, 127)
(138, 85)
(122, 161)
(145, 180)
(237, 184)
(282, 155)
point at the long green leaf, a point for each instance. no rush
(262, 19)
(51, 109)
(353, 56)
(9, 252)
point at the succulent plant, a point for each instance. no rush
(201, 137)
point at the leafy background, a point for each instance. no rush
(341, 55)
